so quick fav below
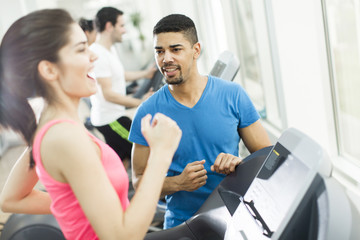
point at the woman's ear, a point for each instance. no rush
(47, 70)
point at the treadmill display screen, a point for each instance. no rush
(271, 194)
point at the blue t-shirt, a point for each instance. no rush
(208, 129)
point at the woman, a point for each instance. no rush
(46, 54)
(88, 27)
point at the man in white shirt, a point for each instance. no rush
(108, 104)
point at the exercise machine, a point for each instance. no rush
(226, 66)
(280, 192)
(31, 227)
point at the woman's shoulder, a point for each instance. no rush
(60, 133)
(59, 144)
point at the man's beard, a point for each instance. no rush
(175, 81)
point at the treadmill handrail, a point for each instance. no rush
(257, 216)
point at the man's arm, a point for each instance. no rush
(114, 97)
(254, 137)
(193, 177)
(135, 75)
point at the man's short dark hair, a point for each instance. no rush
(177, 23)
(104, 15)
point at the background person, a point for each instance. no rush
(109, 103)
(88, 27)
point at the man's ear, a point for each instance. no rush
(109, 26)
(47, 70)
(197, 50)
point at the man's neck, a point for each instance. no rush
(190, 92)
(105, 41)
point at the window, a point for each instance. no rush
(258, 56)
(342, 22)
(249, 54)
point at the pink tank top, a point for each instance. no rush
(65, 207)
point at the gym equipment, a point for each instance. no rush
(226, 67)
(283, 192)
(31, 227)
(209, 222)
(155, 83)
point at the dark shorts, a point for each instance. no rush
(116, 136)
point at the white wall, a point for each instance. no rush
(9, 12)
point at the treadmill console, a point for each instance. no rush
(291, 175)
(226, 67)
(280, 192)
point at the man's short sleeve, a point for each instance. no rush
(135, 134)
(246, 109)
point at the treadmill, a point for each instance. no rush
(280, 192)
(226, 66)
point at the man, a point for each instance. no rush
(108, 104)
(213, 114)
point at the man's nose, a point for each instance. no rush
(167, 57)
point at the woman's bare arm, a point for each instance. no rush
(19, 195)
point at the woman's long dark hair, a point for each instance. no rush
(35, 37)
